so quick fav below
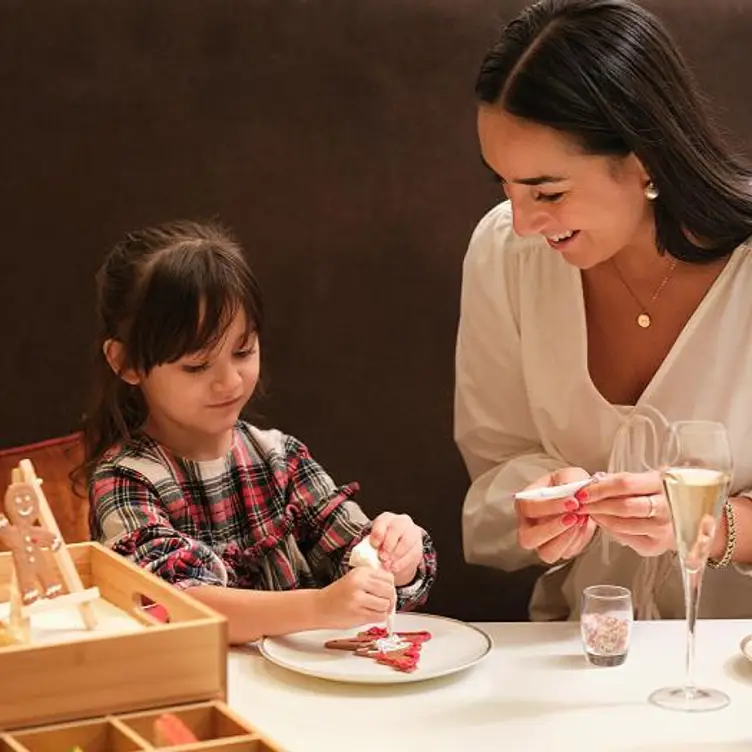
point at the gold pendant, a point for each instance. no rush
(643, 321)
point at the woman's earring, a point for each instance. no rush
(651, 192)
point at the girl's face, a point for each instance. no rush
(589, 208)
(195, 401)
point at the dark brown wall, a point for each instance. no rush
(337, 138)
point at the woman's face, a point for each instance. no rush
(589, 208)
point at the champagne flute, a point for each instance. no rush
(696, 471)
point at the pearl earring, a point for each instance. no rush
(651, 192)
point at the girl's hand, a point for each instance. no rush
(362, 596)
(399, 542)
(555, 529)
(633, 509)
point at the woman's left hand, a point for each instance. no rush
(633, 509)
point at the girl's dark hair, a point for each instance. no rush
(607, 73)
(163, 292)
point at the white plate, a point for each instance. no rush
(454, 646)
(553, 492)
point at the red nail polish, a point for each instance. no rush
(581, 495)
(569, 519)
(571, 505)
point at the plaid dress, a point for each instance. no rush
(266, 516)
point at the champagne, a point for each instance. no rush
(698, 465)
(695, 496)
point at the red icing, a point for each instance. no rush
(401, 663)
(405, 659)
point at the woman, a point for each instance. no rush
(613, 283)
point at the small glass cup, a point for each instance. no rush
(606, 624)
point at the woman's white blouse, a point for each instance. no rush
(525, 405)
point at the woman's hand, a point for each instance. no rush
(555, 529)
(632, 508)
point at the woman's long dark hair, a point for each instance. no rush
(607, 73)
(163, 293)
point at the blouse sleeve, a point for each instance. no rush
(741, 567)
(493, 425)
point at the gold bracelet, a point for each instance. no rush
(728, 552)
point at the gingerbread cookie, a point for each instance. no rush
(27, 541)
(401, 650)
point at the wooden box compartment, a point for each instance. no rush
(101, 735)
(207, 721)
(155, 664)
(216, 727)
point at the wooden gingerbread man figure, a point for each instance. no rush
(27, 541)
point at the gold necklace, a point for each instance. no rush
(643, 319)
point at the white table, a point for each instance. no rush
(534, 692)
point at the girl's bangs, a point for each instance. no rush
(187, 306)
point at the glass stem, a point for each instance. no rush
(692, 584)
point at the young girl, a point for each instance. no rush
(242, 518)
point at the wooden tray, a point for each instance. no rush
(97, 674)
(213, 723)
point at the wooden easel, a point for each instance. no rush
(75, 595)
